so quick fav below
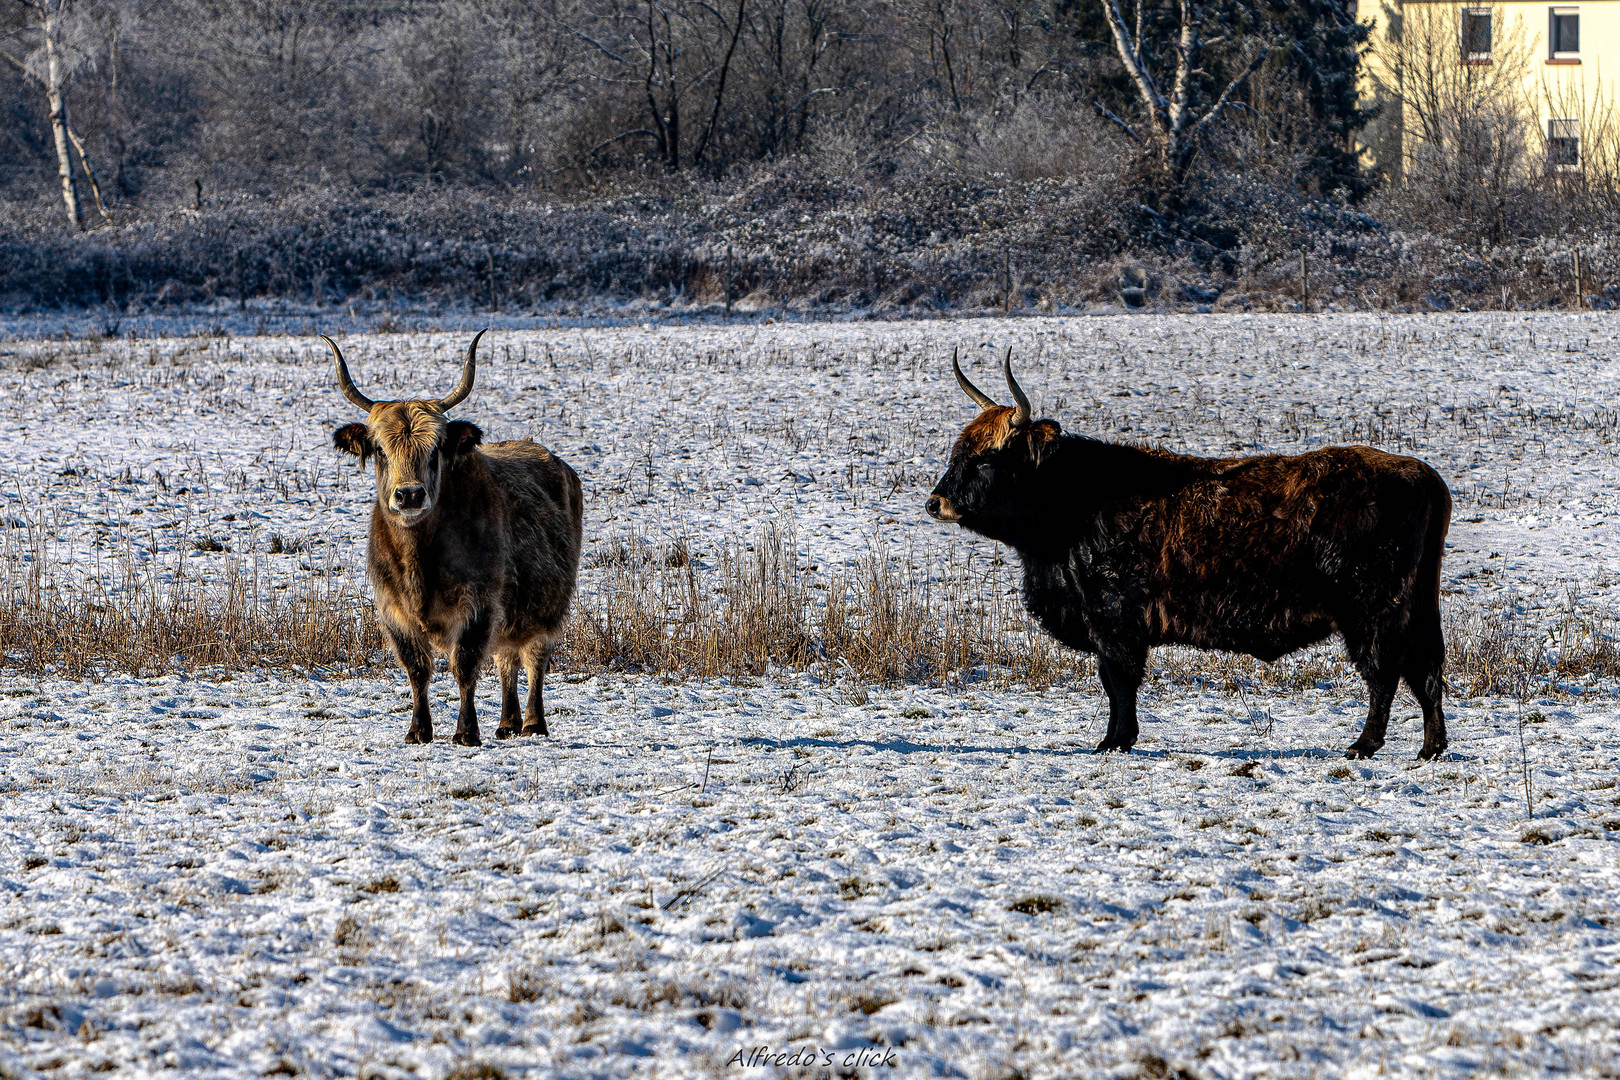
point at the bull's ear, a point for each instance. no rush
(1043, 439)
(460, 436)
(354, 439)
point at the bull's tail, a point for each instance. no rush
(1426, 589)
(1424, 666)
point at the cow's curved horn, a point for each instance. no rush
(980, 398)
(345, 383)
(1020, 416)
(468, 370)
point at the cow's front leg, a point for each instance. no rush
(1121, 678)
(465, 663)
(537, 658)
(416, 657)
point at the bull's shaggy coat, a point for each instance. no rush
(473, 551)
(1126, 547)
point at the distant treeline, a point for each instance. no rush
(559, 95)
(865, 155)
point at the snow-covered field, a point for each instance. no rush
(251, 875)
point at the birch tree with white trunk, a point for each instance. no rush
(1174, 120)
(50, 64)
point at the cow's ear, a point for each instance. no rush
(1043, 439)
(354, 439)
(460, 436)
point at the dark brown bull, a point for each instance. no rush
(473, 549)
(1127, 547)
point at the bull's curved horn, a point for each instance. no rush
(980, 398)
(346, 384)
(1020, 415)
(468, 370)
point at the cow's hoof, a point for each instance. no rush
(1430, 753)
(1106, 746)
(412, 738)
(505, 732)
(1358, 752)
(535, 729)
(467, 738)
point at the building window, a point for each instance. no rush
(1476, 30)
(1564, 33)
(1563, 146)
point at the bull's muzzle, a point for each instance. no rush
(940, 509)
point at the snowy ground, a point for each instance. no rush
(253, 875)
(237, 877)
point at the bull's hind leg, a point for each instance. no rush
(471, 649)
(416, 657)
(1425, 660)
(536, 658)
(1377, 656)
(506, 666)
(1121, 679)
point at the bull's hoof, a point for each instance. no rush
(1360, 752)
(467, 738)
(1108, 745)
(1431, 751)
(536, 729)
(414, 737)
(504, 732)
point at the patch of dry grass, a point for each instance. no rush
(753, 609)
(216, 613)
(761, 607)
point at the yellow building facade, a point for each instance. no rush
(1526, 78)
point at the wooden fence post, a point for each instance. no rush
(1006, 281)
(731, 280)
(490, 251)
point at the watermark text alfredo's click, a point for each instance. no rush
(871, 1057)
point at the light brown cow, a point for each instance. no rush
(474, 549)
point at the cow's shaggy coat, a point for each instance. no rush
(1126, 547)
(473, 551)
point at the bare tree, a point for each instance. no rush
(541, 72)
(279, 83)
(1589, 127)
(720, 84)
(788, 68)
(50, 63)
(1174, 120)
(1465, 123)
(671, 51)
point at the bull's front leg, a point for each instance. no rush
(472, 647)
(416, 657)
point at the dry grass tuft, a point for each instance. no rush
(672, 615)
(1036, 905)
(760, 609)
(1501, 650)
(53, 620)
